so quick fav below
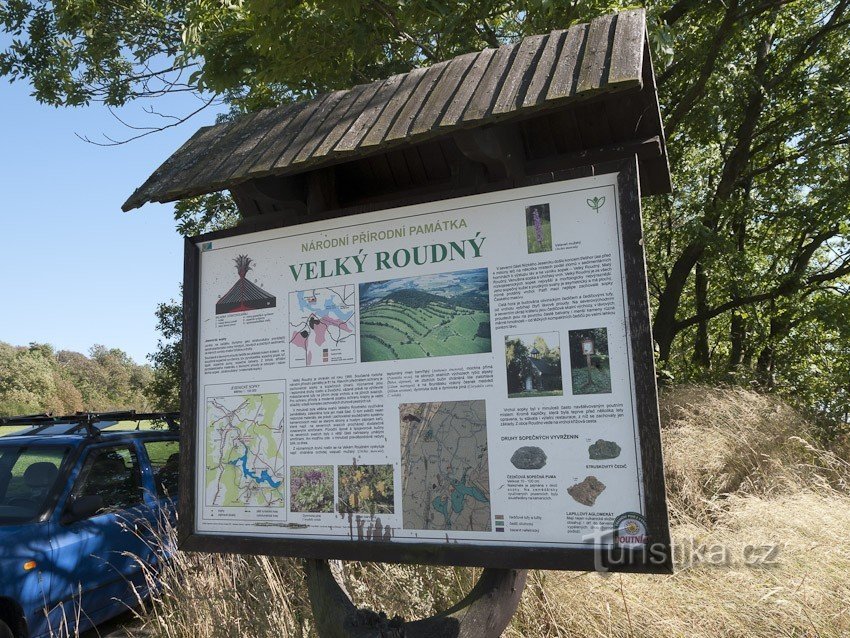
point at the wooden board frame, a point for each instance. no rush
(655, 557)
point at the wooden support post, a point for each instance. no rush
(484, 613)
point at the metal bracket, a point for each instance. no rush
(484, 613)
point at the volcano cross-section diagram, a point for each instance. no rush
(244, 295)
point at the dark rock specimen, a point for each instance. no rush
(529, 458)
(604, 450)
(587, 491)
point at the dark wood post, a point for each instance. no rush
(484, 613)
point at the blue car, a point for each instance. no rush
(79, 510)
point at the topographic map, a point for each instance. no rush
(444, 467)
(321, 326)
(245, 444)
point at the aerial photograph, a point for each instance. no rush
(426, 316)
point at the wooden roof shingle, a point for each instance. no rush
(536, 73)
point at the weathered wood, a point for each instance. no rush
(192, 158)
(455, 108)
(215, 154)
(332, 118)
(282, 136)
(271, 141)
(309, 128)
(536, 92)
(484, 613)
(441, 95)
(363, 124)
(597, 49)
(535, 75)
(517, 78)
(566, 69)
(261, 126)
(482, 100)
(499, 149)
(627, 49)
(158, 177)
(414, 104)
(346, 122)
(379, 129)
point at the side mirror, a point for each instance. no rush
(82, 507)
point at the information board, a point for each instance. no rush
(466, 381)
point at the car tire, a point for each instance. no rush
(5, 631)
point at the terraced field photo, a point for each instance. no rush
(428, 316)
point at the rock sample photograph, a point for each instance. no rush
(529, 458)
(603, 449)
(587, 491)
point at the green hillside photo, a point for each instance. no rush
(429, 316)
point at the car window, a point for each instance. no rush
(165, 461)
(113, 474)
(27, 476)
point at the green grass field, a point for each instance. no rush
(599, 381)
(534, 394)
(390, 331)
(533, 245)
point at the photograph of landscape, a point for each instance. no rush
(426, 316)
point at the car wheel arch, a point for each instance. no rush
(13, 615)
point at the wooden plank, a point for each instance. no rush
(415, 165)
(416, 101)
(258, 130)
(470, 82)
(280, 137)
(592, 75)
(150, 188)
(336, 114)
(543, 70)
(433, 108)
(517, 78)
(347, 121)
(361, 126)
(309, 128)
(215, 152)
(283, 116)
(379, 129)
(593, 125)
(398, 167)
(627, 50)
(566, 69)
(484, 96)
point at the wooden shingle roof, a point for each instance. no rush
(537, 73)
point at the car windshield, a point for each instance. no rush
(28, 474)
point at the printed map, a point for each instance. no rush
(245, 444)
(321, 326)
(444, 466)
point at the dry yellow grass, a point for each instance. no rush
(759, 519)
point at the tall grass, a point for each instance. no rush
(759, 515)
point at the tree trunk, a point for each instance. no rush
(702, 355)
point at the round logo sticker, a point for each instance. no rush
(630, 529)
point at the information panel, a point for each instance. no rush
(457, 374)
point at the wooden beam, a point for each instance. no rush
(500, 149)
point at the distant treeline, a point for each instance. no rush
(36, 378)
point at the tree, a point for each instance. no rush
(748, 259)
(518, 365)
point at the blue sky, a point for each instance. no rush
(76, 271)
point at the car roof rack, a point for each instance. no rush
(88, 421)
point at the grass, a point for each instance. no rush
(389, 333)
(533, 245)
(742, 470)
(598, 382)
(525, 394)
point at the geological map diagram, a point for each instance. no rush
(444, 466)
(245, 451)
(321, 326)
